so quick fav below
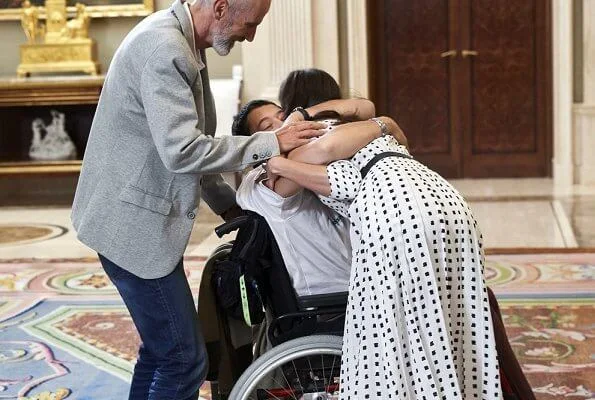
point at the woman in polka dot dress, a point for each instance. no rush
(418, 323)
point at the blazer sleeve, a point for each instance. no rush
(168, 102)
(219, 196)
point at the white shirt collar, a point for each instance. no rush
(197, 54)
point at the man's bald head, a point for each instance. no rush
(221, 23)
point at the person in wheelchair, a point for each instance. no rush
(313, 239)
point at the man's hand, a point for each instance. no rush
(395, 131)
(231, 213)
(298, 134)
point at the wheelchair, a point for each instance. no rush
(305, 332)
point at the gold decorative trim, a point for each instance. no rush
(42, 91)
(126, 10)
(26, 168)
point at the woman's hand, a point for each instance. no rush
(293, 118)
(396, 131)
(271, 168)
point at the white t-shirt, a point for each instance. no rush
(313, 239)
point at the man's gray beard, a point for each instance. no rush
(221, 42)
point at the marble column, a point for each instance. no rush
(295, 34)
(357, 43)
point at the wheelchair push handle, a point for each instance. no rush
(232, 225)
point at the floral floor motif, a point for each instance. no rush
(65, 334)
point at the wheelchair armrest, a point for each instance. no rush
(232, 225)
(323, 300)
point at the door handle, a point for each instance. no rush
(469, 53)
(449, 53)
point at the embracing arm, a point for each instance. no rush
(341, 142)
(359, 109)
(309, 176)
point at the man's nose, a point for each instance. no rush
(251, 34)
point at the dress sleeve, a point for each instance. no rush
(345, 180)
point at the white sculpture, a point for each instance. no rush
(56, 144)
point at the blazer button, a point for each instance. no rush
(255, 156)
(191, 215)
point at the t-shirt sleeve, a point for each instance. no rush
(252, 195)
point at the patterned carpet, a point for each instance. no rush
(64, 333)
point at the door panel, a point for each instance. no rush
(485, 114)
(503, 129)
(417, 90)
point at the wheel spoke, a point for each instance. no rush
(333, 368)
(297, 374)
(274, 378)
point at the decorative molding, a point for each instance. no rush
(584, 134)
(588, 51)
(44, 91)
(563, 151)
(140, 9)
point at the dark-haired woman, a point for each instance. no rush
(306, 88)
(418, 324)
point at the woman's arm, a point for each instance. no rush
(312, 177)
(358, 109)
(341, 142)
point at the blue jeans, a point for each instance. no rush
(172, 361)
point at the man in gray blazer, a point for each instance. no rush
(150, 157)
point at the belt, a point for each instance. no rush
(364, 171)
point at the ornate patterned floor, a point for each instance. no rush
(64, 333)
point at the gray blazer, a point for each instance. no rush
(151, 154)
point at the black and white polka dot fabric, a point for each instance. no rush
(418, 324)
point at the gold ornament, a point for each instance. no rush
(30, 21)
(65, 45)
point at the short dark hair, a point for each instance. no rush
(307, 87)
(240, 120)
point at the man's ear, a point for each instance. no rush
(220, 8)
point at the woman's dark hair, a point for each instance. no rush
(307, 87)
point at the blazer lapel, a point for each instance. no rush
(178, 11)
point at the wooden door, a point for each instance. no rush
(413, 81)
(505, 79)
(482, 113)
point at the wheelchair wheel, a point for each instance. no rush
(306, 368)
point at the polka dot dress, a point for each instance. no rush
(418, 324)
